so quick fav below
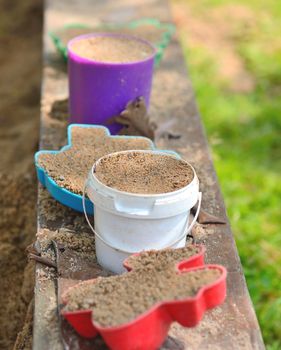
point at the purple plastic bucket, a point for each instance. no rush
(101, 90)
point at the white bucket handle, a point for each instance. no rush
(91, 227)
(88, 221)
(188, 229)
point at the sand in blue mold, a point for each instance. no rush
(69, 168)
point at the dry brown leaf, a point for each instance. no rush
(135, 120)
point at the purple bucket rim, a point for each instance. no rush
(85, 60)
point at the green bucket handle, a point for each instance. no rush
(160, 45)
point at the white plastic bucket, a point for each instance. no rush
(112, 258)
(127, 223)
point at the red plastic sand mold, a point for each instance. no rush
(149, 330)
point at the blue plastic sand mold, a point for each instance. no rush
(63, 195)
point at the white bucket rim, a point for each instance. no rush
(145, 195)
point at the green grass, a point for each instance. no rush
(244, 130)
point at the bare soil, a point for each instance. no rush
(112, 49)
(20, 68)
(119, 299)
(143, 173)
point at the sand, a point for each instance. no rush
(161, 259)
(119, 299)
(71, 167)
(144, 173)
(20, 57)
(114, 49)
(146, 31)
